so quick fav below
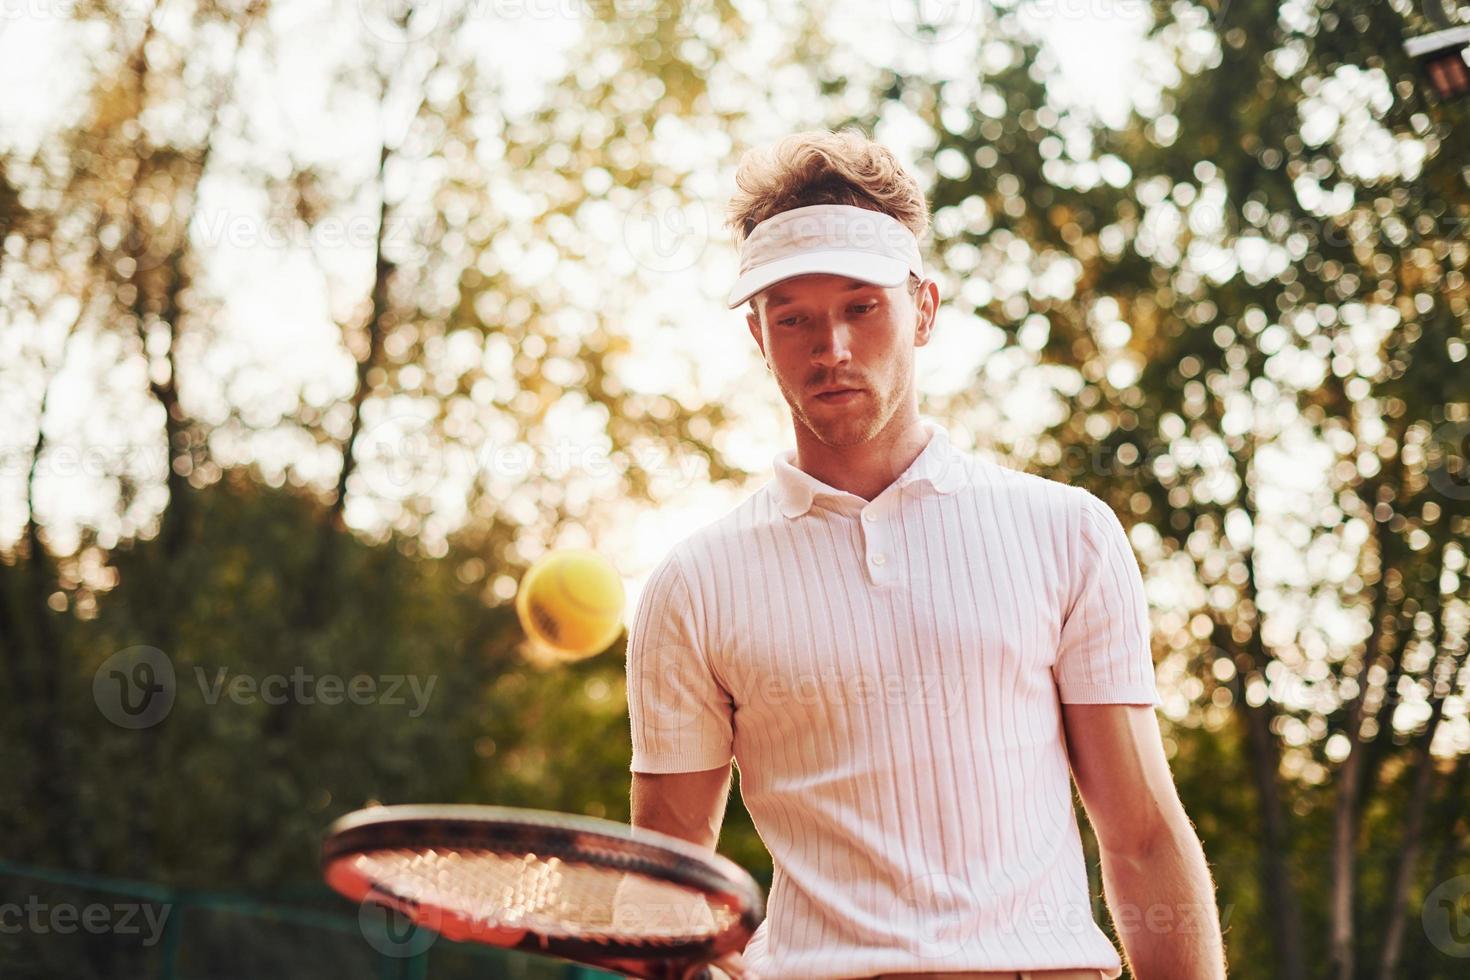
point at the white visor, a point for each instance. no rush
(837, 239)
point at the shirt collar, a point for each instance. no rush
(938, 466)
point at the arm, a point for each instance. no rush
(687, 805)
(682, 724)
(1155, 877)
(690, 806)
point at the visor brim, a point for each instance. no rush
(880, 270)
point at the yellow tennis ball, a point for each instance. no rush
(571, 602)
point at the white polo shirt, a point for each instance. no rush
(888, 677)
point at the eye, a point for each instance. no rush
(865, 307)
(788, 321)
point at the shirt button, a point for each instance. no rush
(879, 559)
(869, 516)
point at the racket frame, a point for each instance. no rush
(513, 831)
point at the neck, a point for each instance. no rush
(864, 469)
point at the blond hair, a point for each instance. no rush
(824, 167)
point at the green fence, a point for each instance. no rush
(56, 923)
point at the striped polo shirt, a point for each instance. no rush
(888, 677)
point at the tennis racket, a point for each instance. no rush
(592, 891)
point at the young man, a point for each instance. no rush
(906, 647)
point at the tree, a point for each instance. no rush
(1254, 292)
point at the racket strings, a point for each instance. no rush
(549, 896)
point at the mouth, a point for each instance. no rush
(837, 396)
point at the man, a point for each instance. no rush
(905, 647)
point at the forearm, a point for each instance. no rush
(690, 806)
(1163, 905)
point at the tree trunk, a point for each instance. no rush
(40, 664)
(1282, 909)
(1408, 856)
(1359, 769)
(1344, 847)
(1443, 673)
(1282, 906)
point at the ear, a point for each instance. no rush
(926, 309)
(753, 321)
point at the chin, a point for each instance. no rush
(842, 430)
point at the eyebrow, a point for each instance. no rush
(778, 299)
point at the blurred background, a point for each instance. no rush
(320, 321)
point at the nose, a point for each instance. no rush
(833, 344)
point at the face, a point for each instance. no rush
(824, 332)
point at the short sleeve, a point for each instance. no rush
(680, 716)
(1104, 656)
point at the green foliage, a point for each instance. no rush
(1262, 275)
(231, 793)
(1254, 285)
